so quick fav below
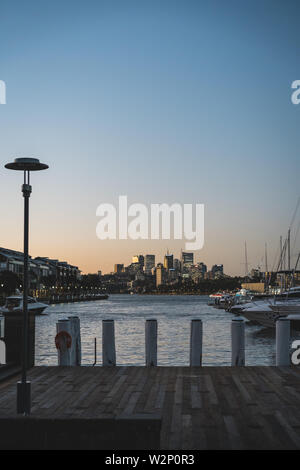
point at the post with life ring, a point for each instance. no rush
(63, 342)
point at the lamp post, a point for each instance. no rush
(23, 387)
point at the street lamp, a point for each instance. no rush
(23, 387)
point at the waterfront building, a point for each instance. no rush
(13, 261)
(40, 268)
(63, 272)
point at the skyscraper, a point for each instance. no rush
(177, 264)
(160, 274)
(187, 259)
(119, 268)
(217, 270)
(138, 259)
(149, 263)
(168, 262)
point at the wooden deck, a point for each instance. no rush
(200, 408)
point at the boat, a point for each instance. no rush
(267, 313)
(219, 300)
(14, 304)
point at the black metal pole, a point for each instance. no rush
(23, 389)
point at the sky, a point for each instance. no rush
(174, 101)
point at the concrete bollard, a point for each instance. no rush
(238, 342)
(108, 343)
(196, 343)
(151, 342)
(283, 342)
(62, 341)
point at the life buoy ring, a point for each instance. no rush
(63, 339)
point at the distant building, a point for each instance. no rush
(217, 271)
(202, 268)
(177, 265)
(160, 275)
(168, 262)
(173, 274)
(118, 268)
(139, 276)
(138, 259)
(187, 259)
(133, 268)
(149, 263)
(256, 273)
(254, 286)
(64, 273)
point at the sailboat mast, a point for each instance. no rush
(280, 263)
(289, 249)
(266, 259)
(246, 260)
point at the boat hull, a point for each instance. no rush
(35, 311)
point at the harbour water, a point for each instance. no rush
(173, 313)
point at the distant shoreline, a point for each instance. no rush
(163, 293)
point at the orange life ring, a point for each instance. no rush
(63, 338)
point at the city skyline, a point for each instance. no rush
(184, 102)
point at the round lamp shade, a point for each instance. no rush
(26, 164)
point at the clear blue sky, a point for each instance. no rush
(164, 101)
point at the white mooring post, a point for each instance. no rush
(283, 342)
(238, 342)
(75, 352)
(151, 342)
(108, 343)
(64, 333)
(78, 342)
(196, 343)
(73, 345)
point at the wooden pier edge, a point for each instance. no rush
(136, 432)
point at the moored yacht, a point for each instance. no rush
(266, 313)
(14, 303)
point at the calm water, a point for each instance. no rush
(173, 314)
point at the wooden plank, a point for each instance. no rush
(201, 408)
